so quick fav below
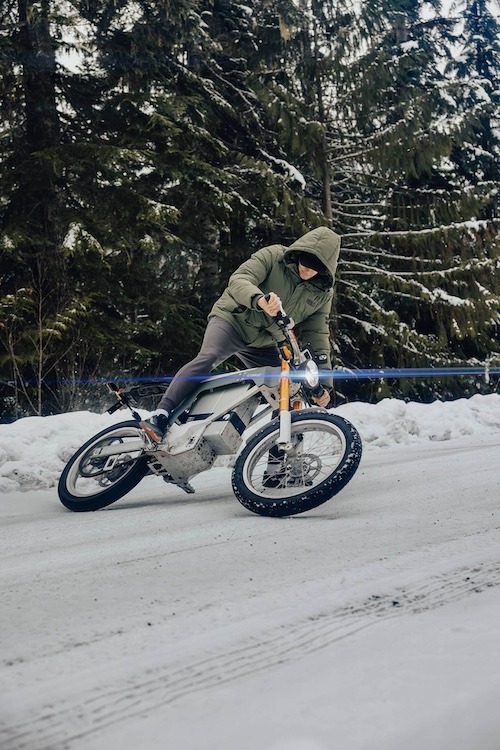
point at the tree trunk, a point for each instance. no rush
(207, 284)
(40, 200)
(40, 177)
(39, 73)
(314, 97)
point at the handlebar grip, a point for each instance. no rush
(281, 318)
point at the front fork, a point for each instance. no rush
(284, 441)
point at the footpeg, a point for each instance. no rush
(150, 432)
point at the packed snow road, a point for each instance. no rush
(179, 621)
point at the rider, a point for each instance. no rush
(300, 278)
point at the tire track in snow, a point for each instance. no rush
(54, 730)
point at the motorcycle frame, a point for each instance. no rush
(196, 437)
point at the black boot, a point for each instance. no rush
(274, 481)
(274, 475)
(155, 427)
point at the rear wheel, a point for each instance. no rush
(91, 481)
(325, 454)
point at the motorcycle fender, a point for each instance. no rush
(132, 446)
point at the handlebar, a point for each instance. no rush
(282, 319)
(286, 324)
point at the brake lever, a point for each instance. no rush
(123, 400)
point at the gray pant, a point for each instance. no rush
(219, 343)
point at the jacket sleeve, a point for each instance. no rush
(315, 330)
(244, 283)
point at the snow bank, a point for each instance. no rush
(33, 450)
(392, 422)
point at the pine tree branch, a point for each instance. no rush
(468, 224)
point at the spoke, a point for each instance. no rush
(89, 476)
(318, 449)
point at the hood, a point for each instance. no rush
(321, 242)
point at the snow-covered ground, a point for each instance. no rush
(168, 620)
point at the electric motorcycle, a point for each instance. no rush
(296, 461)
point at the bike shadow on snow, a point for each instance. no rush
(327, 512)
(344, 505)
(166, 501)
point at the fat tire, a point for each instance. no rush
(288, 506)
(110, 495)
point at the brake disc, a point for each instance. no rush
(304, 469)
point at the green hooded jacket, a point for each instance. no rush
(274, 269)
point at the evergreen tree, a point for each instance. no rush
(257, 193)
(418, 277)
(159, 146)
(148, 147)
(476, 65)
(33, 266)
(80, 218)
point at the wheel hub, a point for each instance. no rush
(302, 469)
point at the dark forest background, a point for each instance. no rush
(147, 148)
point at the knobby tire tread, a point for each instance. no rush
(279, 508)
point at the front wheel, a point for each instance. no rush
(325, 454)
(104, 469)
